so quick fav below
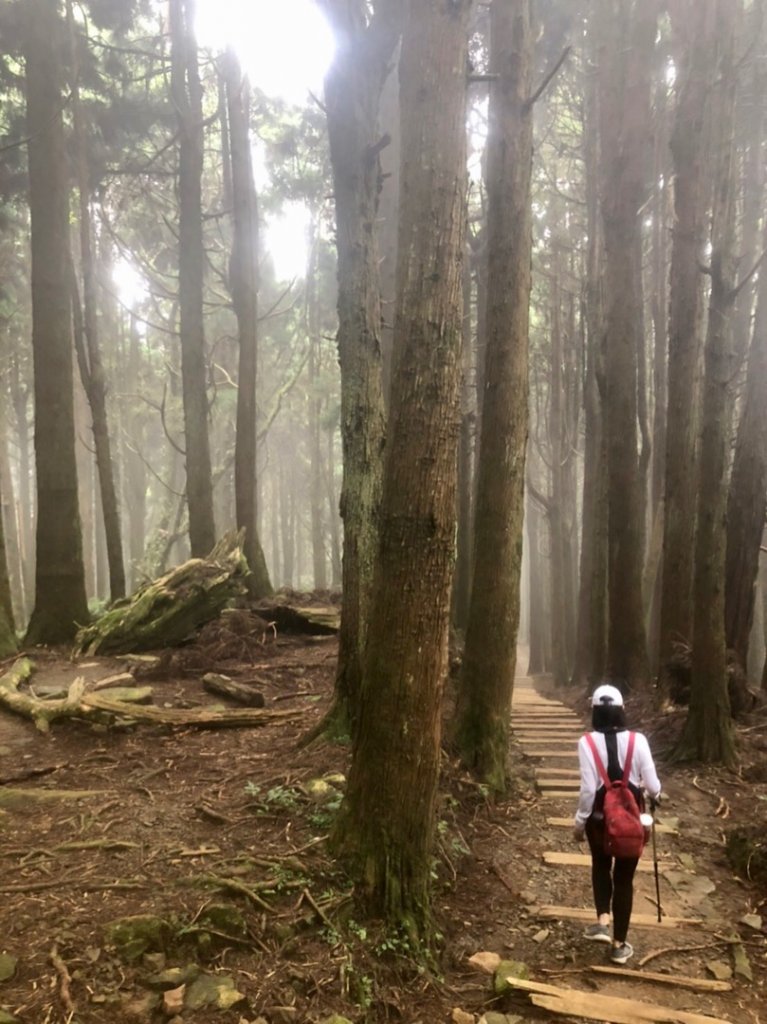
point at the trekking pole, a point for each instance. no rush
(653, 805)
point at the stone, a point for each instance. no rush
(173, 1001)
(8, 1018)
(207, 990)
(459, 1016)
(173, 977)
(282, 1014)
(740, 960)
(485, 961)
(719, 970)
(141, 933)
(508, 969)
(223, 917)
(140, 1008)
(7, 966)
(319, 790)
(542, 935)
(752, 921)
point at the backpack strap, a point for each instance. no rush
(629, 756)
(600, 766)
(597, 760)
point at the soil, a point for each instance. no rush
(186, 823)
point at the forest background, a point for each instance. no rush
(579, 323)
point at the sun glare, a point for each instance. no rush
(286, 241)
(285, 46)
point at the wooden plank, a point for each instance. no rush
(609, 1009)
(570, 784)
(559, 794)
(637, 920)
(563, 752)
(583, 860)
(574, 729)
(681, 980)
(568, 822)
(565, 773)
(551, 741)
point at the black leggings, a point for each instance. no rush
(612, 881)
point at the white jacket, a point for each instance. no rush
(642, 772)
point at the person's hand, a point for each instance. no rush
(579, 833)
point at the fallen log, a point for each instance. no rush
(167, 611)
(223, 686)
(80, 704)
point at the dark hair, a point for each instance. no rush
(608, 718)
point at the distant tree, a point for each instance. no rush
(243, 282)
(692, 26)
(708, 734)
(628, 34)
(186, 90)
(60, 599)
(387, 824)
(87, 339)
(487, 677)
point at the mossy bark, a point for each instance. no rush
(387, 826)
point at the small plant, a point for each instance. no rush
(277, 796)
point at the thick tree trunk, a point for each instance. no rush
(539, 661)
(60, 601)
(624, 83)
(387, 826)
(465, 533)
(747, 499)
(687, 149)
(186, 90)
(352, 95)
(314, 431)
(243, 282)
(487, 679)
(708, 734)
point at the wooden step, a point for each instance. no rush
(637, 920)
(609, 1009)
(568, 823)
(554, 741)
(566, 773)
(543, 752)
(583, 860)
(559, 794)
(680, 980)
(572, 784)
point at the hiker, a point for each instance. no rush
(612, 877)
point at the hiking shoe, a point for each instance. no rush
(597, 933)
(620, 954)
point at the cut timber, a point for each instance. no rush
(637, 920)
(558, 794)
(570, 744)
(609, 1009)
(568, 727)
(565, 773)
(568, 823)
(170, 609)
(583, 860)
(681, 980)
(314, 621)
(573, 784)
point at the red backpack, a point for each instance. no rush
(624, 834)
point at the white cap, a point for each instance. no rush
(606, 696)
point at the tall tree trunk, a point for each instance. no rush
(387, 827)
(60, 602)
(88, 342)
(624, 103)
(27, 515)
(352, 96)
(747, 498)
(591, 636)
(487, 679)
(135, 475)
(539, 661)
(243, 282)
(314, 431)
(693, 53)
(186, 90)
(462, 581)
(708, 734)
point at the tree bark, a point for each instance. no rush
(747, 498)
(243, 282)
(352, 96)
(487, 678)
(186, 91)
(687, 149)
(387, 826)
(60, 601)
(624, 103)
(708, 735)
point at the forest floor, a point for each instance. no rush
(217, 837)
